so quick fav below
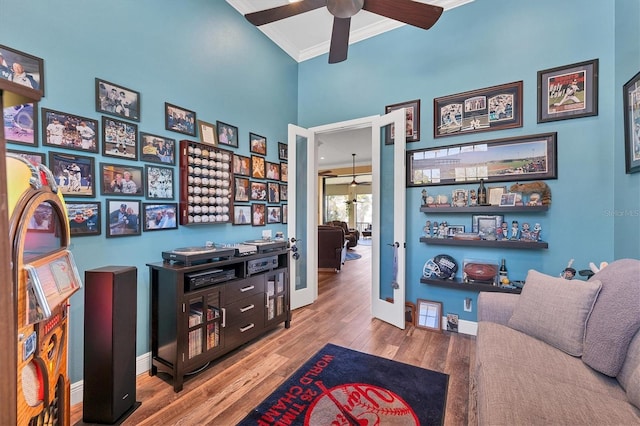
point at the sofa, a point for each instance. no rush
(332, 247)
(563, 352)
(353, 235)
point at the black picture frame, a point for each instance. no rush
(122, 218)
(283, 151)
(31, 72)
(157, 149)
(258, 214)
(227, 134)
(273, 192)
(241, 165)
(242, 189)
(113, 180)
(284, 192)
(64, 167)
(493, 160)
(274, 214)
(285, 212)
(257, 144)
(179, 120)
(242, 214)
(412, 121)
(119, 138)
(258, 167)
(66, 131)
(577, 83)
(631, 105)
(159, 217)
(284, 172)
(21, 124)
(258, 191)
(482, 110)
(117, 100)
(272, 170)
(159, 182)
(35, 158)
(85, 218)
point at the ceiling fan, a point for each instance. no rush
(354, 182)
(408, 11)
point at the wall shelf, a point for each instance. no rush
(459, 285)
(537, 245)
(484, 209)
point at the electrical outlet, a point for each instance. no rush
(468, 304)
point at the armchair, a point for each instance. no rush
(332, 247)
(353, 235)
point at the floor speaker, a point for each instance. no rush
(109, 343)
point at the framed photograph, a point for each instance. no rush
(285, 212)
(454, 229)
(157, 149)
(631, 98)
(409, 313)
(273, 214)
(21, 124)
(257, 144)
(117, 100)
(284, 192)
(121, 179)
(494, 194)
(180, 120)
(84, 218)
(42, 219)
(158, 217)
(459, 197)
(521, 158)
(241, 215)
(123, 218)
(284, 172)
(74, 174)
(159, 182)
(412, 122)
(62, 130)
(273, 190)
(283, 151)
(484, 223)
(258, 214)
(35, 158)
(119, 139)
(508, 199)
(227, 134)
(258, 167)
(242, 189)
(452, 322)
(22, 69)
(273, 170)
(429, 315)
(569, 91)
(208, 133)
(258, 191)
(492, 108)
(241, 165)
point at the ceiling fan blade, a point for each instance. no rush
(281, 12)
(410, 12)
(339, 40)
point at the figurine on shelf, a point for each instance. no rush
(504, 231)
(435, 230)
(441, 230)
(473, 198)
(515, 230)
(525, 234)
(499, 234)
(424, 197)
(427, 229)
(537, 231)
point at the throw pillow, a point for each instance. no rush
(555, 310)
(615, 318)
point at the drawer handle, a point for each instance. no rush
(224, 317)
(247, 288)
(247, 327)
(247, 308)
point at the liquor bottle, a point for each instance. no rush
(504, 278)
(482, 194)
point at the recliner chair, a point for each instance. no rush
(353, 235)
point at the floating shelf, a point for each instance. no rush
(535, 245)
(459, 285)
(484, 209)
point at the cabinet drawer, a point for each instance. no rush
(245, 311)
(243, 288)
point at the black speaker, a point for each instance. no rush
(110, 296)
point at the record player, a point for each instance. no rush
(265, 246)
(191, 255)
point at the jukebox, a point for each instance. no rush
(44, 277)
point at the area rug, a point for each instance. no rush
(352, 256)
(339, 386)
(364, 242)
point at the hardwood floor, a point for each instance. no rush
(235, 384)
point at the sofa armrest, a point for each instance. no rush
(496, 307)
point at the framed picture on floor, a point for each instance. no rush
(429, 315)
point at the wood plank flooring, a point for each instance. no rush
(235, 384)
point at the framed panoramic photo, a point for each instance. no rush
(241, 215)
(121, 179)
(159, 182)
(283, 151)
(257, 144)
(532, 157)
(227, 134)
(157, 149)
(158, 217)
(63, 130)
(178, 119)
(569, 91)
(492, 108)
(258, 167)
(21, 124)
(74, 174)
(258, 213)
(412, 120)
(207, 133)
(22, 69)
(117, 100)
(84, 218)
(242, 189)
(241, 165)
(631, 99)
(35, 158)
(123, 218)
(119, 138)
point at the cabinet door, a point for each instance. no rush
(204, 318)
(277, 297)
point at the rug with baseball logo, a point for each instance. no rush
(339, 386)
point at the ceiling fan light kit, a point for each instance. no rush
(410, 12)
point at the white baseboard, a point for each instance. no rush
(464, 326)
(143, 365)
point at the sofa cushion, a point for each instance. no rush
(555, 310)
(615, 318)
(629, 376)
